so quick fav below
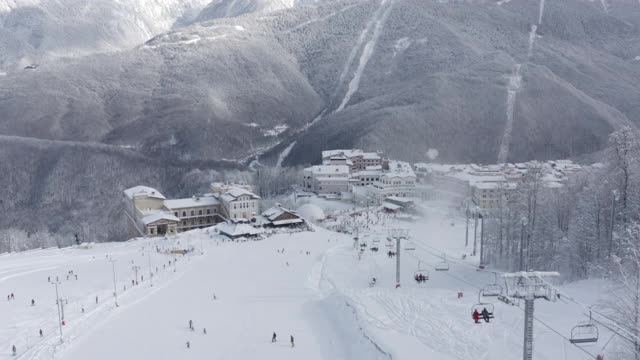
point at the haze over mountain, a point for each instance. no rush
(480, 81)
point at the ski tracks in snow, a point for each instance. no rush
(283, 155)
(515, 82)
(426, 321)
(372, 32)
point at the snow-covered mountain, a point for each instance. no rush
(478, 81)
(231, 8)
(33, 31)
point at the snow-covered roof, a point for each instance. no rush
(235, 193)
(238, 229)
(275, 211)
(402, 200)
(143, 191)
(149, 219)
(287, 222)
(399, 169)
(348, 153)
(191, 202)
(391, 206)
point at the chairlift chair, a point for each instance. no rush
(480, 306)
(585, 333)
(420, 271)
(493, 289)
(409, 245)
(443, 265)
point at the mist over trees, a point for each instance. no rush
(589, 228)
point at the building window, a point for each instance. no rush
(184, 213)
(184, 223)
(199, 212)
(192, 212)
(234, 206)
(176, 214)
(208, 211)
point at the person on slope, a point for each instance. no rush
(476, 316)
(293, 344)
(485, 315)
(273, 337)
(13, 349)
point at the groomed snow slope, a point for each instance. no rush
(322, 299)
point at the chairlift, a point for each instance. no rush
(443, 265)
(421, 274)
(409, 245)
(493, 289)
(585, 333)
(480, 306)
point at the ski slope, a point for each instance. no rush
(317, 290)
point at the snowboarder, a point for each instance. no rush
(485, 315)
(273, 337)
(14, 350)
(476, 316)
(41, 335)
(293, 344)
(33, 302)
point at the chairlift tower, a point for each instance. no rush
(530, 286)
(398, 235)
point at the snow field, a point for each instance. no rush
(322, 298)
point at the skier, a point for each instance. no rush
(48, 278)
(96, 299)
(273, 337)
(83, 309)
(33, 302)
(204, 331)
(76, 275)
(188, 345)
(14, 350)
(293, 344)
(485, 315)
(476, 316)
(41, 335)
(12, 296)
(191, 324)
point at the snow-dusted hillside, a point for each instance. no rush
(35, 31)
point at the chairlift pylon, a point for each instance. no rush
(586, 333)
